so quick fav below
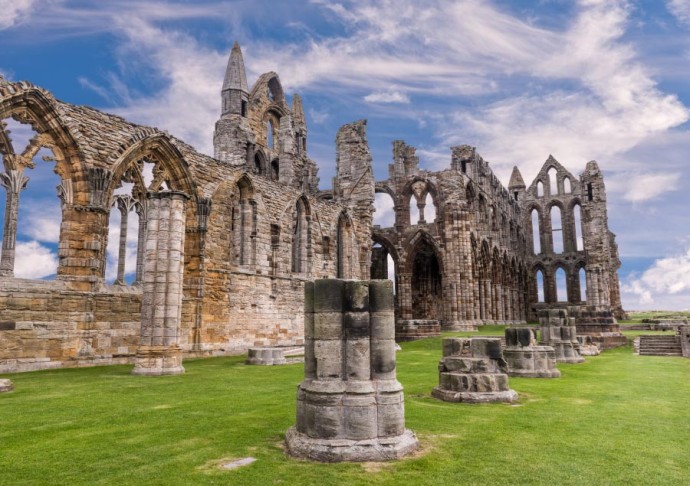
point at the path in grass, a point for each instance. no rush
(616, 419)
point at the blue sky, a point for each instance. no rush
(582, 80)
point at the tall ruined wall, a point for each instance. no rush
(463, 265)
(250, 242)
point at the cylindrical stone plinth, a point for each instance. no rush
(350, 404)
(161, 309)
(525, 358)
(6, 385)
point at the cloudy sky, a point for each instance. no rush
(589, 79)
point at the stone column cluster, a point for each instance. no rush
(525, 358)
(558, 331)
(14, 181)
(350, 404)
(161, 309)
(473, 371)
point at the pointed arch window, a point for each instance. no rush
(536, 234)
(556, 229)
(553, 181)
(244, 225)
(539, 278)
(300, 238)
(577, 218)
(561, 285)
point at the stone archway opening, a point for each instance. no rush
(427, 293)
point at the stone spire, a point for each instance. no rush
(235, 92)
(516, 180)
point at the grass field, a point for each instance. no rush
(616, 419)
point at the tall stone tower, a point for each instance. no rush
(599, 243)
(233, 134)
(354, 185)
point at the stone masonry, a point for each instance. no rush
(525, 358)
(350, 404)
(473, 371)
(257, 227)
(558, 331)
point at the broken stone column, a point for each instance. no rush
(559, 332)
(525, 358)
(161, 308)
(684, 333)
(473, 371)
(350, 404)
(266, 356)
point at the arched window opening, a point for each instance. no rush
(427, 302)
(275, 170)
(429, 209)
(384, 215)
(300, 238)
(567, 187)
(590, 194)
(536, 235)
(244, 225)
(561, 286)
(556, 229)
(124, 262)
(414, 211)
(582, 277)
(553, 181)
(345, 247)
(391, 271)
(269, 134)
(540, 189)
(258, 164)
(540, 286)
(577, 217)
(31, 207)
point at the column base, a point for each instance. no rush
(6, 385)
(158, 361)
(347, 450)
(505, 396)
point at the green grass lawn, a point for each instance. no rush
(616, 419)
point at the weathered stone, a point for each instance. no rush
(473, 371)
(350, 405)
(525, 358)
(6, 385)
(558, 331)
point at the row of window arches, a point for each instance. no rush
(557, 229)
(555, 185)
(561, 284)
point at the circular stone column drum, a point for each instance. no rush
(350, 404)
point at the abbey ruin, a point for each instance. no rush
(225, 244)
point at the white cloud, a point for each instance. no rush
(13, 12)
(640, 187)
(664, 285)
(33, 260)
(391, 96)
(680, 9)
(384, 215)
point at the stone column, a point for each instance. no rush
(14, 181)
(161, 308)
(350, 404)
(141, 244)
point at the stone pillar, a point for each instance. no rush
(350, 404)
(14, 181)
(558, 331)
(161, 308)
(473, 371)
(684, 333)
(525, 358)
